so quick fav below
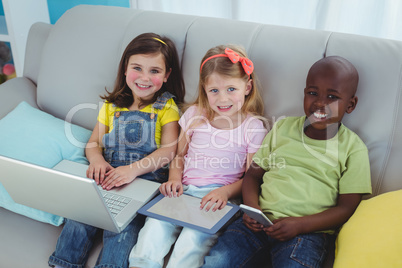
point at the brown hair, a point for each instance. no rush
(148, 43)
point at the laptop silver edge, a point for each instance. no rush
(83, 197)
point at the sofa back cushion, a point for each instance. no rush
(84, 47)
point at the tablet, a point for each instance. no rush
(185, 211)
(256, 215)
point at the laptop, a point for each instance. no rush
(65, 191)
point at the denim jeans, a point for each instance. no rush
(240, 247)
(76, 240)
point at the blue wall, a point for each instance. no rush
(58, 7)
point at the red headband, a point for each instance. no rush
(246, 63)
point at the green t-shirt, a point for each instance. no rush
(305, 176)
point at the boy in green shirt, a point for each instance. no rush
(308, 177)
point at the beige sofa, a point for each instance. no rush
(70, 63)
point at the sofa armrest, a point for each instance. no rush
(14, 91)
(37, 37)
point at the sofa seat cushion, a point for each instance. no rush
(373, 235)
(33, 136)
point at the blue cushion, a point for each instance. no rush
(33, 136)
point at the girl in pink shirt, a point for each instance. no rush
(220, 132)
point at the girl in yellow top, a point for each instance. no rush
(135, 136)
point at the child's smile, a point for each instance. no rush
(320, 115)
(225, 108)
(143, 87)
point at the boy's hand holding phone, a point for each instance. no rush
(254, 219)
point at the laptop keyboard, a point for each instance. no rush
(115, 202)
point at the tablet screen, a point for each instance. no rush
(185, 211)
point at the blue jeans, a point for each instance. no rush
(240, 247)
(76, 240)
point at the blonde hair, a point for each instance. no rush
(253, 103)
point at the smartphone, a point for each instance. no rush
(256, 215)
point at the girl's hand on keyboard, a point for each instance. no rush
(118, 176)
(97, 170)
